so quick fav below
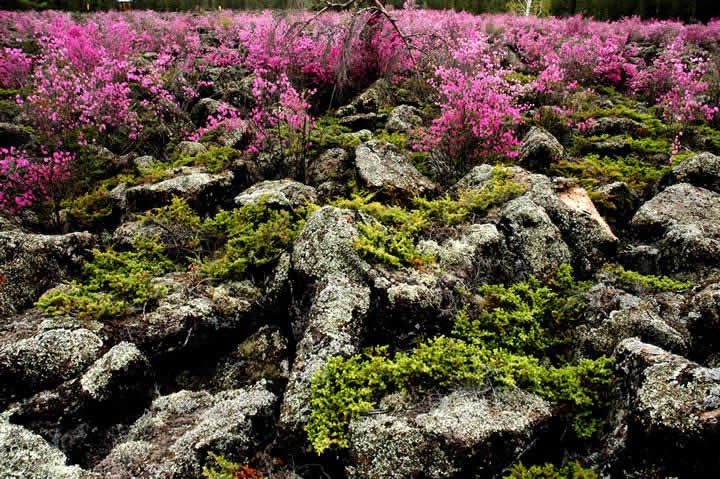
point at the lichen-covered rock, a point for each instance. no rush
(438, 438)
(203, 109)
(201, 190)
(361, 121)
(700, 170)
(585, 233)
(332, 326)
(45, 360)
(123, 374)
(535, 243)
(191, 148)
(475, 255)
(683, 223)
(278, 193)
(32, 263)
(368, 101)
(674, 405)
(325, 245)
(642, 321)
(263, 355)
(704, 320)
(172, 440)
(25, 455)
(381, 166)
(539, 149)
(613, 125)
(403, 119)
(13, 135)
(332, 165)
(619, 202)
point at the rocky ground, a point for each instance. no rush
(225, 366)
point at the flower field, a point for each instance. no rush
(128, 82)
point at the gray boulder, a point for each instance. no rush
(330, 316)
(683, 223)
(673, 405)
(700, 170)
(288, 194)
(325, 246)
(568, 208)
(26, 455)
(263, 355)
(403, 119)
(473, 255)
(369, 101)
(332, 165)
(188, 319)
(539, 150)
(122, 375)
(190, 148)
(32, 263)
(332, 327)
(441, 436)
(361, 121)
(535, 243)
(172, 440)
(202, 190)
(614, 125)
(13, 135)
(203, 109)
(704, 319)
(381, 166)
(45, 360)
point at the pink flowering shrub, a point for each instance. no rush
(129, 81)
(15, 68)
(478, 108)
(25, 180)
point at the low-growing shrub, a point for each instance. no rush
(391, 240)
(114, 283)
(571, 470)
(226, 469)
(642, 283)
(519, 352)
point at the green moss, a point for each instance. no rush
(114, 283)
(572, 470)
(593, 171)
(644, 283)
(505, 349)
(215, 160)
(328, 133)
(249, 238)
(392, 239)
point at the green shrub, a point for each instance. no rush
(229, 470)
(526, 318)
(249, 238)
(215, 160)
(510, 346)
(644, 283)
(593, 171)
(113, 283)
(572, 470)
(392, 239)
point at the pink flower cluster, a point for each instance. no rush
(26, 180)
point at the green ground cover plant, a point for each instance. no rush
(392, 237)
(520, 352)
(114, 283)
